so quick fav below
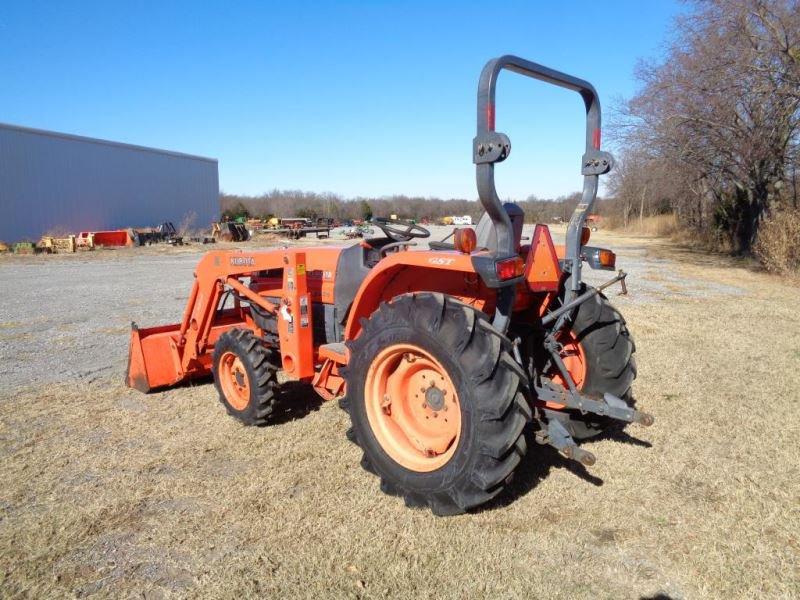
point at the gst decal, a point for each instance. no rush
(441, 261)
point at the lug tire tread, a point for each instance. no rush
(499, 400)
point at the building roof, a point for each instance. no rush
(89, 140)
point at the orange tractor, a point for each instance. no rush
(441, 356)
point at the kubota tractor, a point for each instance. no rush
(441, 356)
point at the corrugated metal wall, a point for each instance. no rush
(52, 181)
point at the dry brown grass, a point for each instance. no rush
(778, 245)
(657, 225)
(111, 492)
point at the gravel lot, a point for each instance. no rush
(67, 317)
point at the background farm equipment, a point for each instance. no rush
(57, 245)
(441, 357)
(297, 232)
(163, 233)
(357, 231)
(24, 248)
(594, 222)
(115, 238)
(299, 227)
(230, 231)
(203, 239)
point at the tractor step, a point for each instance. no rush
(337, 352)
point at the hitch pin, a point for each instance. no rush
(624, 291)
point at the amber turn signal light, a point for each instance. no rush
(607, 258)
(465, 240)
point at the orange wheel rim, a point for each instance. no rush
(574, 359)
(413, 408)
(234, 381)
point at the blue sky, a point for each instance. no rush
(354, 98)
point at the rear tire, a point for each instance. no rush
(610, 365)
(491, 402)
(245, 376)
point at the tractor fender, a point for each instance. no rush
(447, 272)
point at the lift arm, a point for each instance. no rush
(170, 354)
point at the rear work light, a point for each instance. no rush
(465, 240)
(509, 268)
(607, 258)
(599, 258)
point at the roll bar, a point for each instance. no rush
(490, 147)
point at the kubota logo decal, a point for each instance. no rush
(242, 261)
(441, 261)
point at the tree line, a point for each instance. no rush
(295, 203)
(712, 137)
(713, 134)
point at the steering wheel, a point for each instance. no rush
(402, 233)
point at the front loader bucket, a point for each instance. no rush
(153, 359)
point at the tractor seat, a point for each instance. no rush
(487, 237)
(485, 233)
(355, 263)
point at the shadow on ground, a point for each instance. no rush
(537, 463)
(295, 400)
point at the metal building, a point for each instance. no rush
(66, 183)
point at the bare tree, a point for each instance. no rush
(719, 118)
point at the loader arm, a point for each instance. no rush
(170, 354)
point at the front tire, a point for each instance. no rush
(453, 444)
(245, 376)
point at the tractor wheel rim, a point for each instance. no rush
(574, 359)
(413, 407)
(234, 381)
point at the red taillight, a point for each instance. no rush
(585, 235)
(596, 139)
(509, 268)
(465, 240)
